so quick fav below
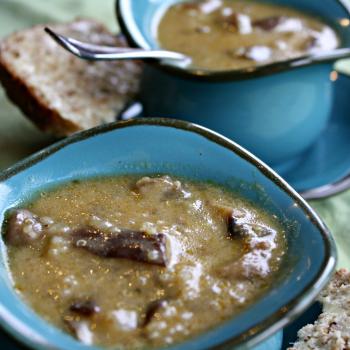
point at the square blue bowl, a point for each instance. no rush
(184, 149)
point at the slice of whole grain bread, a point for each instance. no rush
(59, 92)
(331, 331)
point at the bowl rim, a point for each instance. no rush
(274, 322)
(133, 35)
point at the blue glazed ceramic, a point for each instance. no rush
(324, 168)
(276, 111)
(327, 161)
(180, 148)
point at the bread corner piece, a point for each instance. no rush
(331, 331)
(59, 92)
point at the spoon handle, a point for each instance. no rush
(340, 53)
(107, 53)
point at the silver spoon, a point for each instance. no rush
(98, 52)
(102, 53)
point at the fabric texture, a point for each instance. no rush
(19, 138)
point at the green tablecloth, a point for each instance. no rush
(19, 138)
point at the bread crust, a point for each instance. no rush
(23, 96)
(89, 94)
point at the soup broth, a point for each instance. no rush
(236, 34)
(141, 262)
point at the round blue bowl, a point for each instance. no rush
(172, 146)
(276, 111)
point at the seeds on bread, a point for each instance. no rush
(331, 331)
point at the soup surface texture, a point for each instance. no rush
(236, 34)
(141, 262)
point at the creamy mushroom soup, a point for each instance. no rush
(141, 262)
(236, 34)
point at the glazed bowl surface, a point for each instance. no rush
(275, 111)
(183, 149)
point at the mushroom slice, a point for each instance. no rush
(161, 188)
(232, 216)
(85, 307)
(237, 22)
(22, 227)
(152, 308)
(269, 23)
(128, 244)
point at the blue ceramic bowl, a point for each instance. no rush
(180, 148)
(276, 111)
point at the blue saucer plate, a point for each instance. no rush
(327, 162)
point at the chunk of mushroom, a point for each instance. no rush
(22, 227)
